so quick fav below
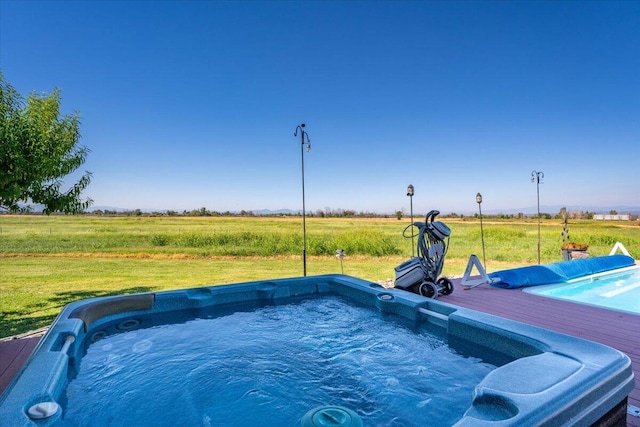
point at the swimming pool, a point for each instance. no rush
(335, 347)
(618, 290)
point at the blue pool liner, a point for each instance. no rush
(558, 272)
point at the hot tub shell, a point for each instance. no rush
(543, 378)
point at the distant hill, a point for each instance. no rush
(530, 210)
(277, 212)
(107, 208)
(633, 210)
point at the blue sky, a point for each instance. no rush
(189, 104)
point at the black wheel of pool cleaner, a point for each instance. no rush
(415, 289)
(446, 284)
(429, 290)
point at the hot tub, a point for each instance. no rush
(307, 351)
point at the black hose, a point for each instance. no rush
(431, 263)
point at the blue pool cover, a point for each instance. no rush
(557, 272)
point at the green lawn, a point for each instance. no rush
(47, 262)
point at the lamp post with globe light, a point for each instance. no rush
(410, 194)
(479, 202)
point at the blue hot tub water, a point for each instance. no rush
(252, 367)
(245, 354)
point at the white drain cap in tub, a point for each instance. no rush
(43, 410)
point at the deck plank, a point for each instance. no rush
(13, 354)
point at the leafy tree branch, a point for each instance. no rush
(38, 148)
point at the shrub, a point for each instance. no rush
(159, 240)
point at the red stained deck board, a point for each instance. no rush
(13, 354)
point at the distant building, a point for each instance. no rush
(604, 217)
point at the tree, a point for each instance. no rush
(39, 147)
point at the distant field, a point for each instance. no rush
(47, 262)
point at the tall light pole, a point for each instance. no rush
(537, 178)
(479, 202)
(303, 136)
(410, 194)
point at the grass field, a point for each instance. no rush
(47, 262)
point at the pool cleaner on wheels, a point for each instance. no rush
(420, 273)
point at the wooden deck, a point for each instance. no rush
(615, 329)
(14, 352)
